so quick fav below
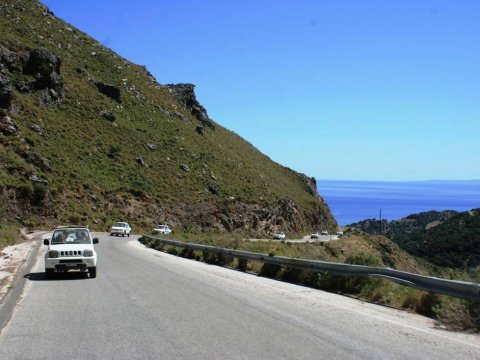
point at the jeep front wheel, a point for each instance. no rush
(93, 272)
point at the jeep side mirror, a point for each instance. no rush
(95, 240)
(46, 242)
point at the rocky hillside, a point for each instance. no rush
(86, 136)
(447, 238)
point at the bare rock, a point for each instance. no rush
(42, 62)
(214, 189)
(45, 67)
(109, 90)
(185, 94)
(7, 126)
(37, 180)
(141, 161)
(6, 91)
(151, 147)
(108, 115)
(12, 60)
(36, 128)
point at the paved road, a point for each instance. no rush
(150, 305)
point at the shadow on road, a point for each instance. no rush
(41, 276)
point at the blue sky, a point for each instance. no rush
(367, 90)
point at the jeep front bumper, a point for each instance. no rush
(70, 263)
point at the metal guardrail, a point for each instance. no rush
(461, 289)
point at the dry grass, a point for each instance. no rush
(9, 235)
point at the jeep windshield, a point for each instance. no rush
(71, 236)
(119, 224)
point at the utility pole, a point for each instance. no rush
(381, 223)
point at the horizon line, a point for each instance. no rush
(404, 181)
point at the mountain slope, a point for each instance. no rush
(87, 136)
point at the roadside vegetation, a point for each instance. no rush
(9, 235)
(451, 313)
(447, 239)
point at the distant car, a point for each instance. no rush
(120, 228)
(71, 248)
(324, 232)
(279, 235)
(340, 233)
(314, 236)
(162, 229)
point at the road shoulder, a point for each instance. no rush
(15, 261)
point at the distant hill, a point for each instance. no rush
(88, 137)
(446, 238)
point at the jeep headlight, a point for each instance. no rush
(88, 253)
(53, 254)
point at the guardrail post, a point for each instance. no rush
(242, 264)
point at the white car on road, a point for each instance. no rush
(71, 248)
(279, 235)
(120, 228)
(162, 229)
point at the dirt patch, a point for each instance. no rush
(11, 259)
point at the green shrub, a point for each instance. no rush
(172, 251)
(428, 302)
(364, 259)
(270, 270)
(39, 196)
(114, 151)
(292, 275)
(458, 314)
(9, 235)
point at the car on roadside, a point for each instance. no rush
(71, 248)
(339, 233)
(324, 232)
(120, 228)
(315, 235)
(162, 229)
(279, 235)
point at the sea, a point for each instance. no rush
(352, 201)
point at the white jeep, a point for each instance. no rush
(71, 248)
(120, 228)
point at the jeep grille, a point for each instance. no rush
(71, 253)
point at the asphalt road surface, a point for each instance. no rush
(150, 305)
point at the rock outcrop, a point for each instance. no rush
(41, 64)
(7, 126)
(185, 94)
(45, 67)
(11, 60)
(109, 90)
